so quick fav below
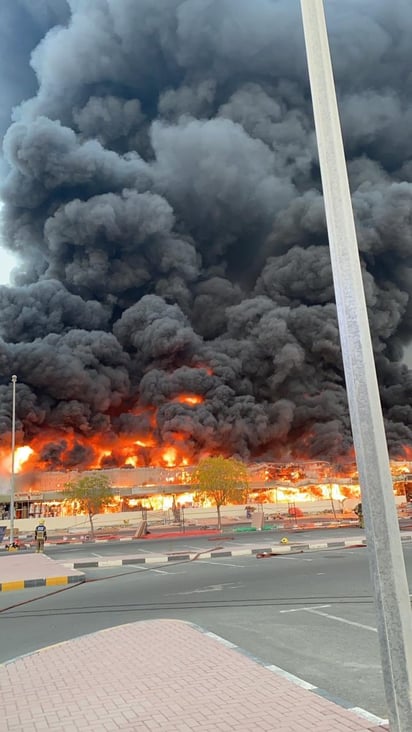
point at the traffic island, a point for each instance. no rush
(21, 571)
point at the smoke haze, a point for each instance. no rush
(161, 189)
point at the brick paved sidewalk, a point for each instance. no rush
(159, 675)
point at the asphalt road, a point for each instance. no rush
(311, 614)
(73, 552)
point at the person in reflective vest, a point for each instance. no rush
(40, 536)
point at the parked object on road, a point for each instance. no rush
(359, 512)
(13, 547)
(40, 535)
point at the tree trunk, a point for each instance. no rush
(219, 518)
(91, 524)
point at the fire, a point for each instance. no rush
(189, 399)
(149, 442)
(21, 456)
(169, 456)
(176, 453)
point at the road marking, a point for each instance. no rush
(298, 609)
(210, 588)
(343, 620)
(299, 559)
(163, 571)
(316, 610)
(101, 556)
(221, 564)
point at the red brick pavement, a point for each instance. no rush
(158, 675)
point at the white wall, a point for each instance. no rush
(196, 516)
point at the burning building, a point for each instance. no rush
(173, 293)
(287, 483)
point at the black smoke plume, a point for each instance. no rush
(161, 191)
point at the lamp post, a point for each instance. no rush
(389, 581)
(13, 448)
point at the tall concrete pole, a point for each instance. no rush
(13, 450)
(390, 586)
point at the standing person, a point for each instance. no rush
(40, 535)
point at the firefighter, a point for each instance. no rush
(40, 535)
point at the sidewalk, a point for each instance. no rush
(162, 675)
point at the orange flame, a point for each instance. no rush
(21, 456)
(190, 399)
(169, 456)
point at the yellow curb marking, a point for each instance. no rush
(56, 581)
(10, 586)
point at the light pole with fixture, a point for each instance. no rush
(389, 580)
(13, 450)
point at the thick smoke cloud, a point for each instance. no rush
(162, 190)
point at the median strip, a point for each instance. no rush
(40, 582)
(24, 571)
(213, 554)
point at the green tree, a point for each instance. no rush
(92, 492)
(222, 480)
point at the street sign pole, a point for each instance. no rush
(390, 585)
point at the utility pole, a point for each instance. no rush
(390, 585)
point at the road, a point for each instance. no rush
(311, 614)
(73, 552)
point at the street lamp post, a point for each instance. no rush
(13, 449)
(390, 585)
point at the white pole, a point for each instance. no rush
(13, 449)
(387, 564)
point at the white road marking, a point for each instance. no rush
(316, 610)
(163, 571)
(299, 559)
(221, 564)
(343, 620)
(210, 588)
(298, 609)
(100, 556)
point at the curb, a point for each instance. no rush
(190, 556)
(41, 582)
